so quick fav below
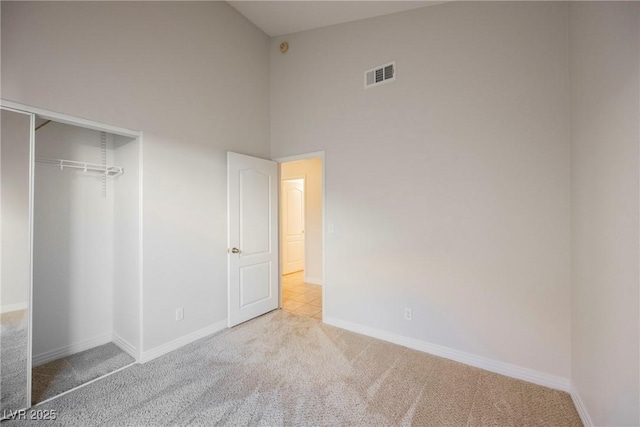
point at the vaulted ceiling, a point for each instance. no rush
(276, 18)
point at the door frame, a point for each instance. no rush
(325, 282)
(101, 127)
(281, 223)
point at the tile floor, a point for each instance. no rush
(301, 298)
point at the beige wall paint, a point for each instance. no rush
(448, 190)
(311, 169)
(193, 76)
(605, 111)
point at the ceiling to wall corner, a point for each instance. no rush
(277, 18)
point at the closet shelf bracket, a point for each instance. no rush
(106, 170)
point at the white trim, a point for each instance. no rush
(228, 260)
(124, 345)
(182, 341)
(68, 350)
(70, 120)
(280, 242)
(580, 407)
(514, 371)
(32, 174)
(312, 155)
(14, 307)
(13, 110)
(138, 355)
(287, 159)
(313, 280)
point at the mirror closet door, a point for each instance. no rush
(15, 265)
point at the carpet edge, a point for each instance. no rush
(491, 365)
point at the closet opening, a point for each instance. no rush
(86, 286)
(301, 235)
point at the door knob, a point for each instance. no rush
(235, 250)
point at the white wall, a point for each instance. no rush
(605, 110)
(311, 170)
(126, 212)
(15, 261)
(72, 243)
(448, 190)
(194, 77)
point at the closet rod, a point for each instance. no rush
(43, 125)
(85, 166)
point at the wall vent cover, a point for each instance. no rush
(381, 74)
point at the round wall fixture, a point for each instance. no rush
(284, 47)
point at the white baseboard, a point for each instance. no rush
(182, 341)
(507, 369)
(580, 407)
(13, 307)
(125, 345)
(48, 356)
(312, 280)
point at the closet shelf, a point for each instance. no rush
(85, 166)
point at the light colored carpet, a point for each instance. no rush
(63, 374)
(13, 361)
(284, 369)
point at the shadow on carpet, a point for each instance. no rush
(58, 376)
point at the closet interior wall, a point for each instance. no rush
(126, 245)
(85, 270)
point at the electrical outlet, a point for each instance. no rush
(331, 228)
(180, 314)
(408, 315)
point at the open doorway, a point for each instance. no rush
(301, 235)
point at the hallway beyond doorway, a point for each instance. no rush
(301, 298)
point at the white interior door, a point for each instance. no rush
(253, 236)
(293, 225)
